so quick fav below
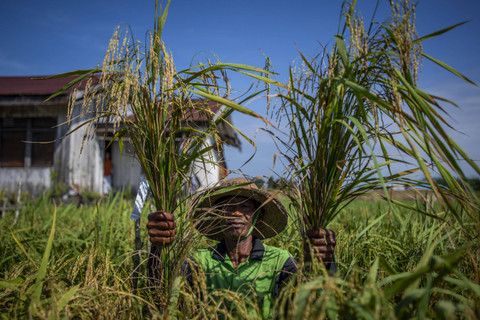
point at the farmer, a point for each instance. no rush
(239, 216)
(107, 173)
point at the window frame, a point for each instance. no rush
(30, 132)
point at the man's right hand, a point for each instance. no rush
(161, 228)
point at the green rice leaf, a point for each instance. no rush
(439, 32)
(342, 50)
(447, 67)
(386, 265)
(230, 104)
(62, 303)
(12, 284)
(264, 79)
(42, 270)
(372, 274)
(20, 245)
(73, 82)
(173, 303)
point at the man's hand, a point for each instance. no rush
(161, 228)
(322, 242)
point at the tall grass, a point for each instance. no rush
(58, 253)
(392, 263)
(337, 110)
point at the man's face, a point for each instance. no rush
(238, 215)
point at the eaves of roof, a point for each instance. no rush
(32, 86)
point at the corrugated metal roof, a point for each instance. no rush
(200, 113)
(27, 85)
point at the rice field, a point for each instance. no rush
(407, 258)
(70, 261)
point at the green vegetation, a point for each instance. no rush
(396, 259)
(137, 92)
(70, 261)
(355, 110)
(474, 183)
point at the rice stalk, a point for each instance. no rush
(355, 113)
(138, 93)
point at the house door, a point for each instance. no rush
(107, 171)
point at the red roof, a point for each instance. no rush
(28, 86)
(200, 112)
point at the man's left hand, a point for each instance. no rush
(322, 242)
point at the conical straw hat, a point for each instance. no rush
(271, 221)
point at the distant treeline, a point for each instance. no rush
(473, 182)
(279, 183)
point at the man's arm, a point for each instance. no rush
(152, 266)
(289, 268)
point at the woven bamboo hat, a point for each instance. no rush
(272, 217)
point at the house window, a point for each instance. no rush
(15, 152)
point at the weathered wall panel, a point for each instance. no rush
(126, 168)
(33, 180)
(206, 172)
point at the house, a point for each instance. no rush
(25, 117)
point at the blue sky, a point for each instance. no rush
(49, 37)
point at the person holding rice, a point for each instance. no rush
(240, 216)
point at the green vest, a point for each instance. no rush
(254, 278)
